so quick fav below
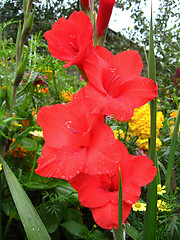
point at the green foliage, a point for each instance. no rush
(55, 201)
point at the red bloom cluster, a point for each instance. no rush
(79, 146)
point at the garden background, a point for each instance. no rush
(44, 82)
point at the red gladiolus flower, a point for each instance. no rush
(85, 3)
(100, 192)
(75, 141)
(115, 85)
(104, 14)
(71, 40)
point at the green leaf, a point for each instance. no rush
(149, 230)
(38, 182)
(77, 229)
(3, 134)
(67, 193)
(131, 231)
(31, 221)
(22, 135)
(96, 235)
(172, 150)
(51, 220)
(28, 144)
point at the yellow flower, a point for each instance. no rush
(37, 133)
(119, 133)
(162, 206)
(139, 206)
(48, 72)
(143, 143)
(140, 122)
(160, 189)
(0, 166)
(174, 114)
(172, 130)
(66, 96)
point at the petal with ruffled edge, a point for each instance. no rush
(69, 37)
(60, 125)
(104, 152)
(93, 191)
(65, 162)
(115, 86)
(142, 170)
(107, 216)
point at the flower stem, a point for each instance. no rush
(172, 151)
(34, 161)
(149, 230)
(118, 233)
(1, 186)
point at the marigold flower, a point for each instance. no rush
(160, 189)
(100, 192)
(76, 141)
(172, 130)
(143, 143)
(115, 85)
(119, 133)
(139, 206)
(71, 40)
(162, 206)
(174, 114)
(0, 167)
(140, 122)
(66, 96)
(104, 14)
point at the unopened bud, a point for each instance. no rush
(27, 27)
(20, 71)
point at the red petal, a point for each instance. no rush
(65, 162)
(60, 125)
(128, 65)
(92, 190)
(103, 156)
(107, 216)
(142, 170)
(69, 37)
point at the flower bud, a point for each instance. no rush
(84, 4)
(20, 71)
(104, 14)
(27, 27)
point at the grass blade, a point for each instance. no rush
(31, 221)
(149, 230)
(172, 151)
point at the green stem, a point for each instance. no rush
(34, 161)
(7, 226)
(158, 171)
(149, 230)
(172, 151)
(118, 233)
(1, 187)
